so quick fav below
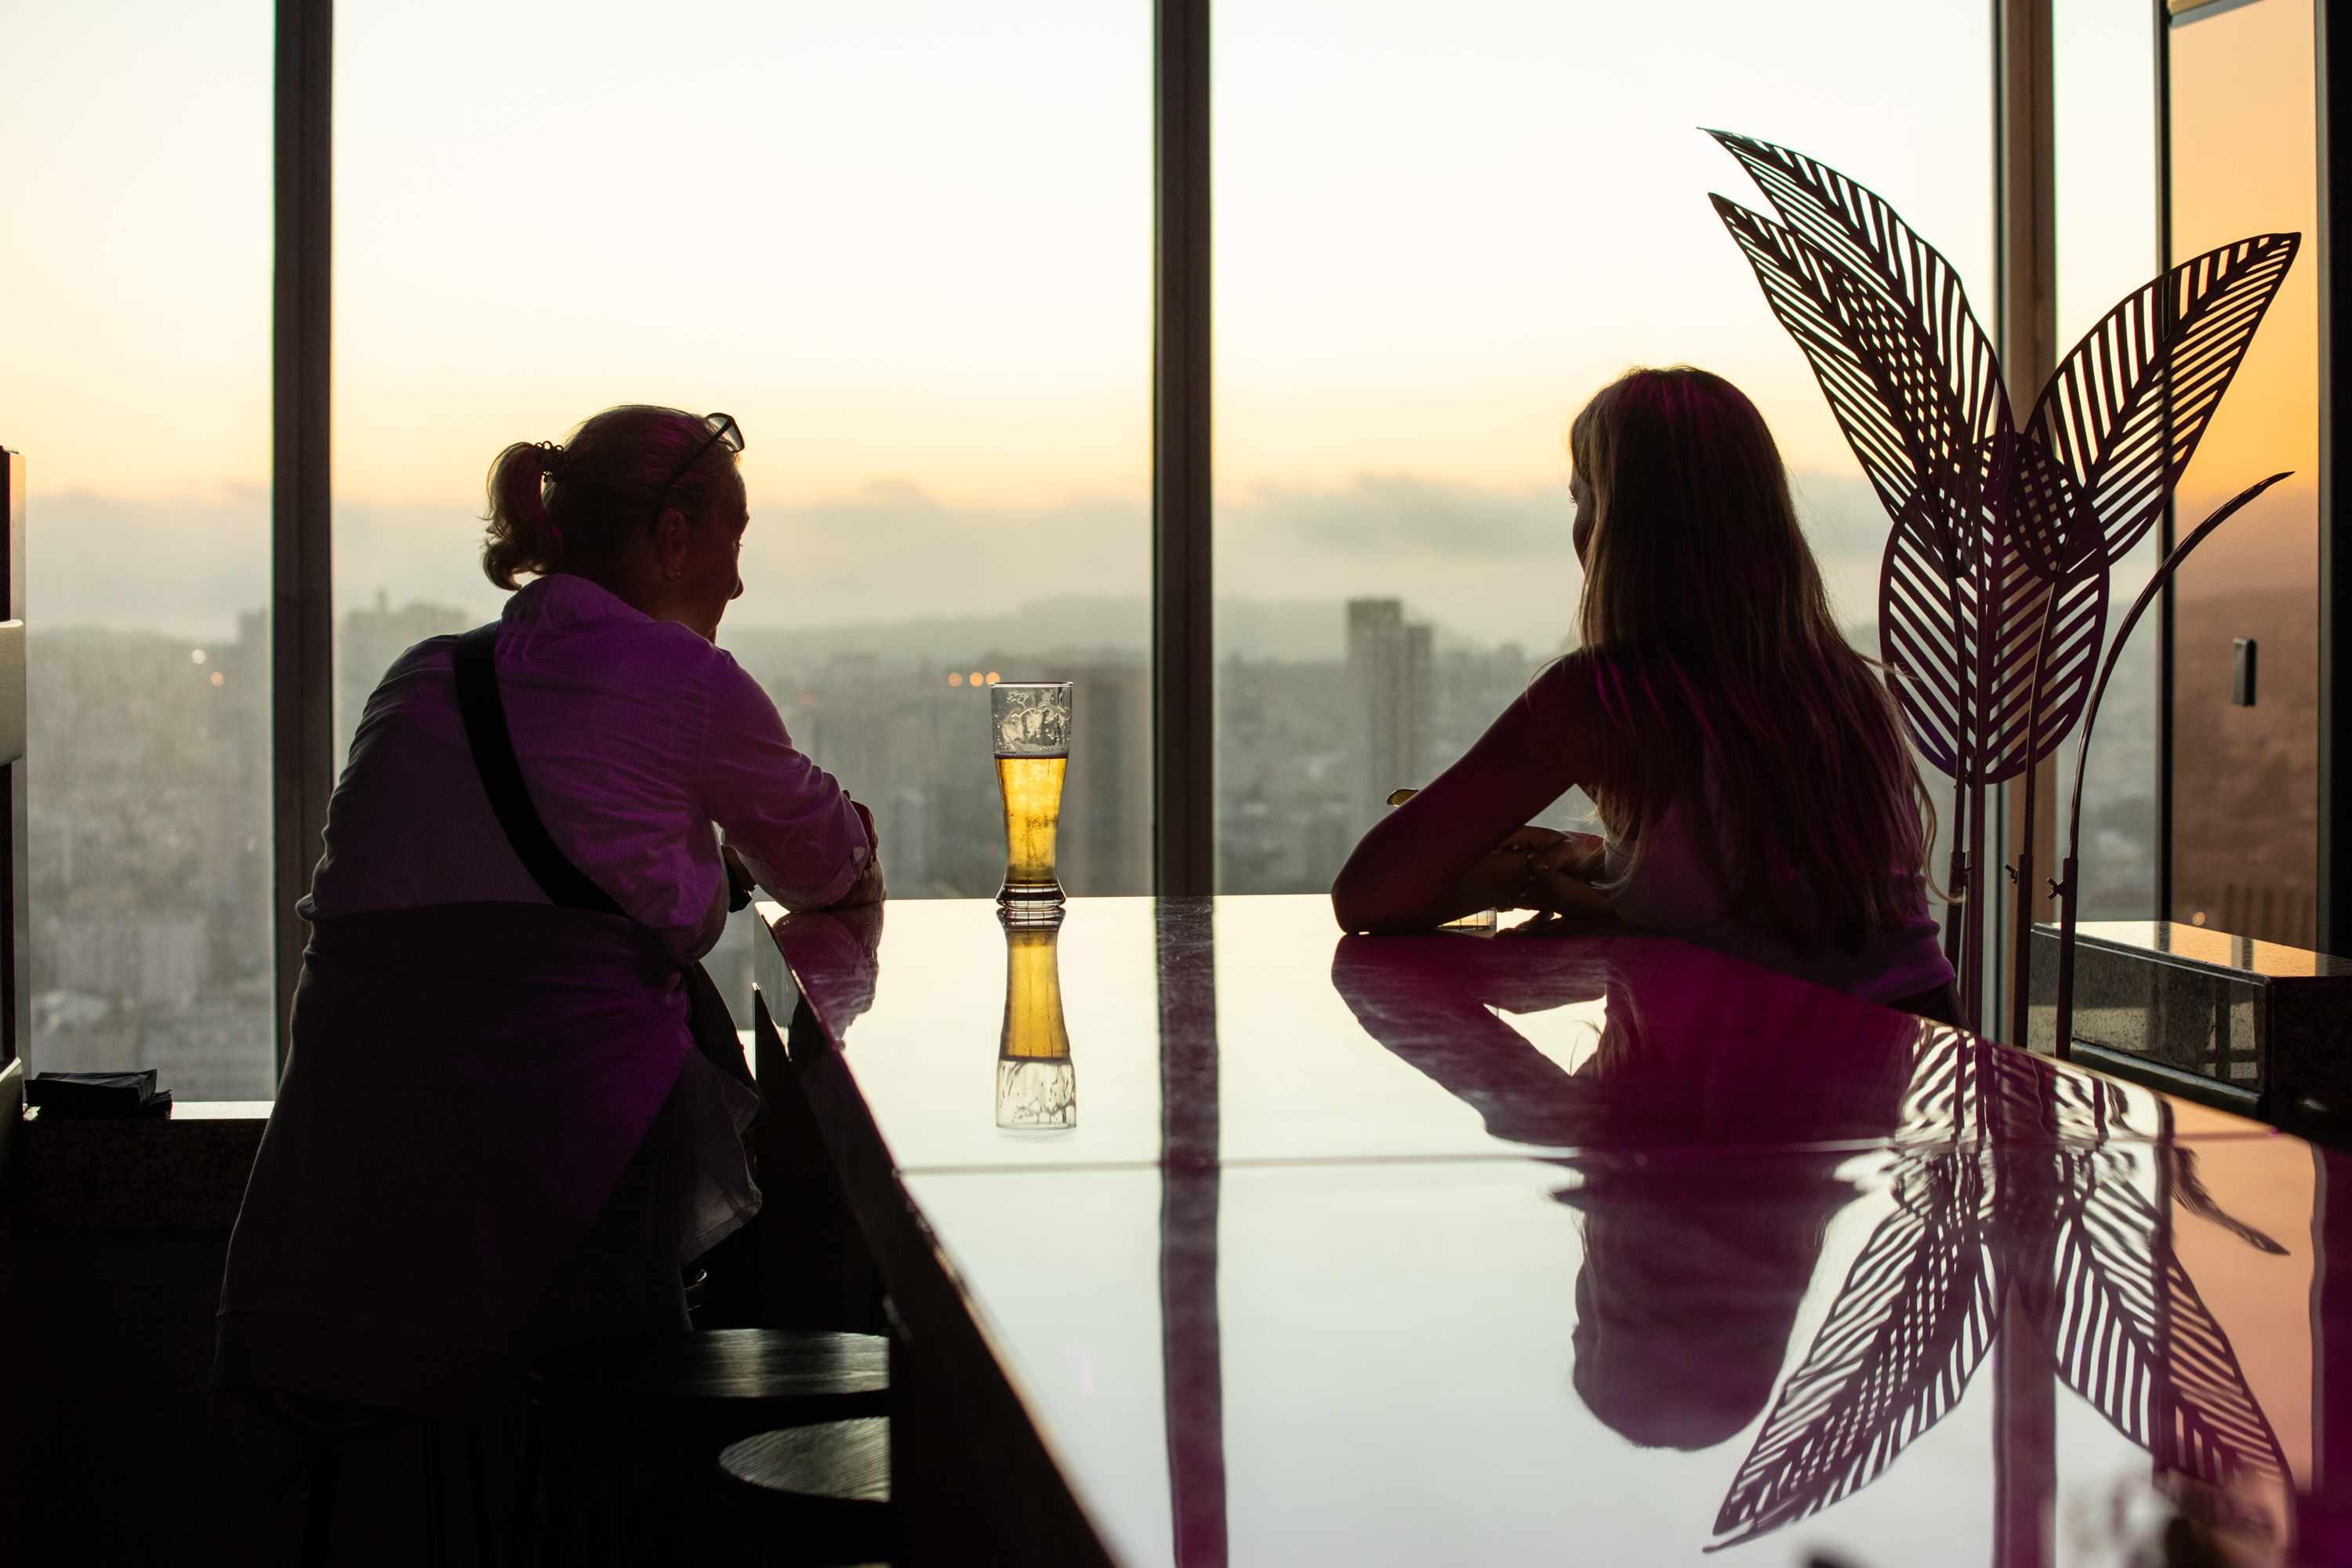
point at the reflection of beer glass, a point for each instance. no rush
(1032, 721)
(1036, 1087)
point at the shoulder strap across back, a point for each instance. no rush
(488, 739)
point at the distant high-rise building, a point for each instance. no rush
(1104, 846)
(150, 857)
(368, 642)
(1388, 690)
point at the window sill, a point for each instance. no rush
(186, 1171)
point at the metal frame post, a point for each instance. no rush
(301, 626)
(1183, 661)
(2332, 58)
(2026, 259)
(2166, 534)
(16, 932)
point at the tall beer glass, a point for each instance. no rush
(1032, 721)
(1036, 1087)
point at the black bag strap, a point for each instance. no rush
(565, 884)
(488, 739)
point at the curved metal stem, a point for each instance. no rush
(2067, 892)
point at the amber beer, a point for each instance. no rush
(1031, 724)
(1032, 815)
(1036, 1087)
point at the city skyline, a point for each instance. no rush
(150, 836)
(1491, 563)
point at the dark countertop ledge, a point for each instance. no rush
(186, 1171)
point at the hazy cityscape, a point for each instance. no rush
(151, 818)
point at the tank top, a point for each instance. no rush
(1669, 892)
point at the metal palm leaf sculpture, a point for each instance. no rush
(2023, 1204)
(1993, 596)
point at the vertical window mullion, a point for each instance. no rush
(301, 610)
(1184, 663)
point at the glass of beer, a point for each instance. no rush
(1036, 1087)
(1032, 721)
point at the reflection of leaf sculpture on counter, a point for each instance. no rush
(2188, 1192)
(2015, 1183)
(2139, 1344)
(1893, 1359)
(1993, 597)
(2033, 1206)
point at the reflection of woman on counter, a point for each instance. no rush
(496, 1132)
(1708, 1163)
(1750, 767)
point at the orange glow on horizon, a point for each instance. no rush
(2242, 80)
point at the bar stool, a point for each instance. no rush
(817, 1497)
(699, 1391)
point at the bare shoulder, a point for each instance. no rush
(1564, 693)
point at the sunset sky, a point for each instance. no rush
(909, 248)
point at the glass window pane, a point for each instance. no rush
(1438, 233)
(2104, 73)
(907, 244)
(137, 387)
(2245, 811)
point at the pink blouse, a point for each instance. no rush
(635, 736)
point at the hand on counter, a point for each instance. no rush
(1561, 868)
(870, 887)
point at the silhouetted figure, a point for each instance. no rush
(1750, 767)
(514, 1105)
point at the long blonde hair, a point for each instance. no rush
(1709, 641)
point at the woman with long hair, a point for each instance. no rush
(513, 1107)
(1756, 790)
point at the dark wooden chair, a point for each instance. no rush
(813, 1496)
(695, 1390)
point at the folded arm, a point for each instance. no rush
(1461, 844)
(794, 827)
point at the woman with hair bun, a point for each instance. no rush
(1750, 768)
(513, 1107)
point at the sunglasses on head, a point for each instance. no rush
(724, 432)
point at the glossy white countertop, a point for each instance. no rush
(1448, 1250)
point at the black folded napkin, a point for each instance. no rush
(90, 1096)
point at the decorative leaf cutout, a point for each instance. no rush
(2027, 678)
(2125, 410)
(1935, 654)
(1878, 384)
(1926, 638)
(2128, 1332)
(1982, 514)
(1859, 230)
(1911, 1324)
(1884, 378)
(2049, 522)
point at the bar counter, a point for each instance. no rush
(1503, 1250)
